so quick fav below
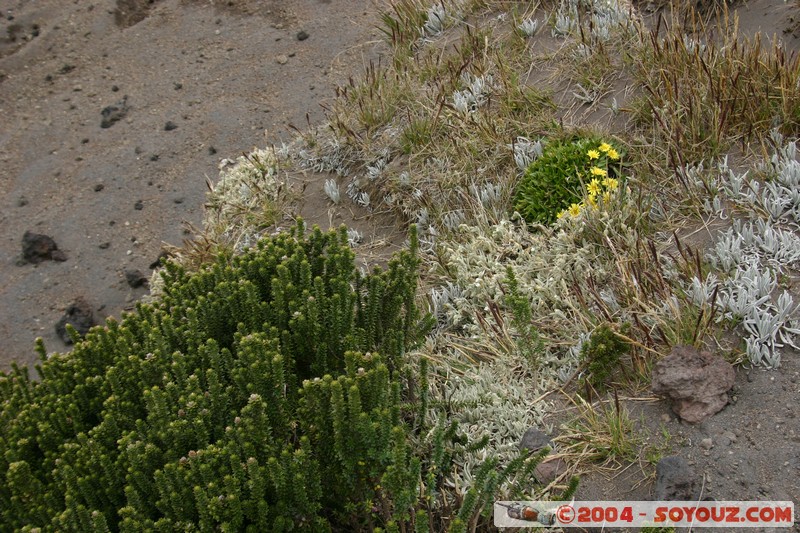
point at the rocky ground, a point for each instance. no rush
(750, 450)
(114, 114)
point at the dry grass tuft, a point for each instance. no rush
(708, 87)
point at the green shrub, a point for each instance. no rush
(601, 354)
(267, 392)
(528, 341)
(555, 182)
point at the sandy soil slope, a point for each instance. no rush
(222, 73)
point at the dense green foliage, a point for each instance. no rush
(554, 181)
(601, 354)
(250, 397)
(269, 391)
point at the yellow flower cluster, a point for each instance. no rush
(601, 186)
(608, 150)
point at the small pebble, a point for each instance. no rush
(706, 443)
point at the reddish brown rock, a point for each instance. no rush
(549, 469)
(696, 382)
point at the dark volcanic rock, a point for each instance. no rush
(157, 263)
(696, 382)
(79, 316)
(114, 113)
(135, 278)
(675, 480)
(534, 440)
(551, 467)
(37, 247)
(130, 12)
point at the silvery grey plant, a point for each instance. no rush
(693, 46)
(379, 165)
(404, 178)
(362, 199)
(526, 152)
(753, 252)
(442, 307)
(475, 95)
(566, 18)
(354, 237)
(327, 156)
(332, 190)
(489, 402)
(435, 20)
(528, 27)
(453, 219)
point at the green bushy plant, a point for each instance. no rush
(554, 183)
(269, 391)
(602, 354)
(529, 343)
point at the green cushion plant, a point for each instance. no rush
(555, 183)
(602, 355)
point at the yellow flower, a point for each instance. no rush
(607, 197)
(612, 154)
(605, 147)
(593, 200)
(611, 184)
(561, 214)
(597, 171)
(574, 210)
(593, 188)
(593, 154)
